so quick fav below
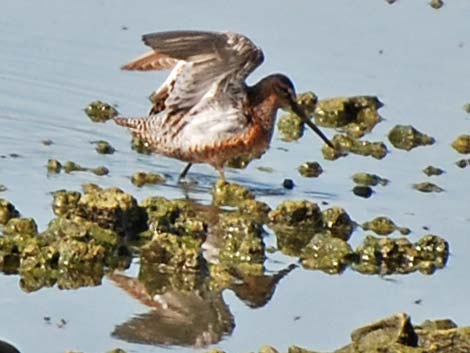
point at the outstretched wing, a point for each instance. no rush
(203, 63)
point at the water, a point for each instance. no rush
(58, 56)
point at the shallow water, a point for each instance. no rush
(58, 56)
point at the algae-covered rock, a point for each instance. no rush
(400, 256)
(436, 4)
(291, 127)
(363, 191)
(326, 253)
(111, 208)
(65, 202)
(463, 163)
(3, 188)
(340, 111)
(242, 240)
(100, 171)
(406, 137)
(254, 209)
(240, 162)
(70, 166)
(173, 252)
(367, 179)
(385, 333)
(343, 144)
(140, 146)
(104, 147)
(20, 226)
(427, 187)
(462, 144)
(7, 211)
(296, 213)
(54, 166)
(466, 108)
(310, 169)
(100, 112)
(230, 194)
(179, 217)
(140, 179)
(433, 252)
(338, 222)
(384, 226)
(430, 171)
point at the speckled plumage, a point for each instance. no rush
(204, 112)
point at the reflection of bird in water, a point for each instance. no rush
(181, 318)
(204, 112)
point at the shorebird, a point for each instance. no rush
(204, 112)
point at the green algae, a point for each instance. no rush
(427, 187)
(406, 137)
(384, 226)
(55, 167)
(310, 169)
(367, 179)
(140, 179)
(432, 171)
(100, 112)
(462, 144)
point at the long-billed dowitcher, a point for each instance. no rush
(205, 112)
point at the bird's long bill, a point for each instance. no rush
(297, 109)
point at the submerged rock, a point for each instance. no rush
(310, 169)
(367, 179)
(363, 191)
(406, 137)
(427, 187)
(104, 147)
(430, 171)
(462, 144)
(436, 4)
(100, 112)
(384, 226)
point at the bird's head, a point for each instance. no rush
(283, 88)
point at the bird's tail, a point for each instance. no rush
(137, 125)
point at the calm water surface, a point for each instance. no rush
(57, 56)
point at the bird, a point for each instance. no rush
(205, 112)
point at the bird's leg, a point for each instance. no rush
(185, 171)
(221, 173)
